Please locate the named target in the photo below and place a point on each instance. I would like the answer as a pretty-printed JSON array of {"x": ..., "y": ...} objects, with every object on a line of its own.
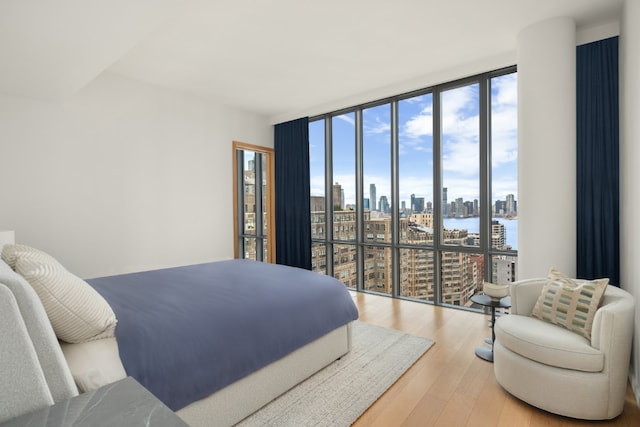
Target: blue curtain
[
  {"x": 598, "y": 224},
  {"x": 293, "y": 205}
]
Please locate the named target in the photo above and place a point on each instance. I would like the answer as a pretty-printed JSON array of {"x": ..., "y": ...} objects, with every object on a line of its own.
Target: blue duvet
[{"x": 187, "y": 332}]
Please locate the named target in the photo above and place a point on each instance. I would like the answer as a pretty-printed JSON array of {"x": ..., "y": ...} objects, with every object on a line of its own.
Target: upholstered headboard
[{"x": 34, "y": 371}]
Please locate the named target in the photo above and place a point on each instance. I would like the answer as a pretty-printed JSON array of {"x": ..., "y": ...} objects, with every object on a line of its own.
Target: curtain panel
[
  {"x": 598, "y": 224},
  {"x": 293, "y": 205}
]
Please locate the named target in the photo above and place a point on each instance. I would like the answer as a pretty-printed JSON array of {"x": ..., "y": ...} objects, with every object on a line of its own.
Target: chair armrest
[
  {"x": 613, "y": 322},
  {"x": 524, "y": 294},
  {"x": 612, "y": 334}
]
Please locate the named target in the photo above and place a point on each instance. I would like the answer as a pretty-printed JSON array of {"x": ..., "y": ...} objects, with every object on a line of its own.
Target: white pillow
[
  {"x": 11, "y": 253},
  {"x": 77, "y": 312}
]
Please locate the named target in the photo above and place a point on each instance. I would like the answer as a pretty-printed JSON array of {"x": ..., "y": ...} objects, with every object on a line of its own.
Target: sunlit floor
[{"x": 449, "y": 385}]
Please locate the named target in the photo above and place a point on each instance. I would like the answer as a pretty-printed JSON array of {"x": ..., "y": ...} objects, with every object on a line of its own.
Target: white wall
[
  {"x": 122, "y": 177},
  {"x": 547, "y": 148},
  {"x": 629, "y": 170}
]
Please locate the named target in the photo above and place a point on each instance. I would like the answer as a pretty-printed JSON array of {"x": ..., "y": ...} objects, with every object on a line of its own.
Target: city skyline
[
  {"x": 460, "y": 145},
  {"x": 419, "y": 204}
]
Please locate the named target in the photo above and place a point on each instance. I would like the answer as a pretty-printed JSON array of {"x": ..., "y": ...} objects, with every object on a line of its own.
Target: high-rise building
[
  {"x": 337, "y": 196},
  {"x": 511, "y": 205},
  {"x": 469, "y": 209},
  {"x": 504, "y": 271},
  {"x": 459, "y": 207},
  {"x": 424, "y": 219},
  {"x": 419, "y": 204},
  {"x": 372, "y": 196},
  {"x": 317, "y": 204},
  {"x": 445, "y": 206},
  {"x": 429, "y": 207},
  {"x": 461, "y": 272},
  {"x": 384, "y": 205},
  {"x": 365, "y": 204},
  {"x": 498, "y": 235}
]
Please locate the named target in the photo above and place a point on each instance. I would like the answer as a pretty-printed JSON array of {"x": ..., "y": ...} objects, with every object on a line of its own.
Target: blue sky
[{"x": 460, "y": 125}]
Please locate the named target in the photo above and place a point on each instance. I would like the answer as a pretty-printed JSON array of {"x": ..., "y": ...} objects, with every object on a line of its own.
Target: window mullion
[
  {"x": 258, "y": 206},
  {"x": 240, "y": 208},
  {"x": 438, "y": 207},
  {"x": 328, "y": 202},
  {"x": 395, "y": 202},
  {"x": 359, "y": 201},
  {"x": 485, "y": 175}
]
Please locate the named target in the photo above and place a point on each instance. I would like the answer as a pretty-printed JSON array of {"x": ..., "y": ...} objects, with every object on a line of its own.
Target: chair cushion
[{"x": 547, "y": 343}]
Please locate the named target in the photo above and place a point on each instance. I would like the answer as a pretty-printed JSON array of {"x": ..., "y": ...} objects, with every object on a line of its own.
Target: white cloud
[
  {"x": 316, "y": 184},
  {"x": 506, "y": 90},
  {"x": 420, "y": 125},
  {"x": 349, "y": 118},
  {"x": 380, "y": 127}
]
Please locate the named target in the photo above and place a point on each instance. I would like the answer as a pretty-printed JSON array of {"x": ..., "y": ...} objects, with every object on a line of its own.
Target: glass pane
[
  {"x": 461, "y": 164},
  {"x": 462, "y": 275},
  {"x": 344, "y": 225},
  {"x": 377, "y": 269},
  {"x": 319, "y": 257},
  {"x": 416, "y": 274},
  {"x": 376, "y": 229},
  {"x": 376, "y": 159},
  {"x": 249, "y": 195},
  {"x": 504, "y": 269},
  {"x": 318, "y": 225},
  {"x": 317, "y": 178},
  {"x": 344, "y": 178},
  {"x": 250, "y": 248},
  {"x": 415, "y": 137},
  {"x": 265, "y": 250},
  {"x": 345, "y": 264},
  {"x": 504, "y": 161}
]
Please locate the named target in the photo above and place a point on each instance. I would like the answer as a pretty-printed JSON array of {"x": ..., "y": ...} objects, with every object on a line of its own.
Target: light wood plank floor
[{"x": 449, "y": 386}]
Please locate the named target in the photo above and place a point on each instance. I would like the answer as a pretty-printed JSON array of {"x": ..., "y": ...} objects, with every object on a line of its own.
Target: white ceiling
[{"x": 277, "y": 58}]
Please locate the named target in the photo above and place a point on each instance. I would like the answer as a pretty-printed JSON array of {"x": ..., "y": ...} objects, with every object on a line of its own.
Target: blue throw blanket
[{"x": 187, "y": 332}]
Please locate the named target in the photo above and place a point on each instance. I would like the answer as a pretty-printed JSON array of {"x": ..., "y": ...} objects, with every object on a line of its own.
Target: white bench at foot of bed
[{"x": 242, "y": 398}]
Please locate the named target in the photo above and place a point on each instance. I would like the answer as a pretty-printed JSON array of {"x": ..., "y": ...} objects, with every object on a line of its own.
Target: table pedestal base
[{"x": 485, "y": 353}]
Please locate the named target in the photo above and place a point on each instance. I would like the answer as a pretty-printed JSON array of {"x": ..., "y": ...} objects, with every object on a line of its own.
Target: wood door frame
[{"x": 270, "y": 202}]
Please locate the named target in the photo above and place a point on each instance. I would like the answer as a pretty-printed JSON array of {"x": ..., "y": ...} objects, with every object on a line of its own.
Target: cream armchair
[{"x": 558, "y": 370}]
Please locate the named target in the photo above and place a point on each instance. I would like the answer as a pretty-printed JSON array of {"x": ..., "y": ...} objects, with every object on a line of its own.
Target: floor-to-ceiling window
[{"x": 415, "y": 196}]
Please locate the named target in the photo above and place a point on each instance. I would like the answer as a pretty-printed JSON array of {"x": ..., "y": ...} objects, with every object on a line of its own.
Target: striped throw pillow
[
  {"x": 570, "y": 303},
  {"x": 77, "y": 312},
  {"x": 11, "y": 253}
]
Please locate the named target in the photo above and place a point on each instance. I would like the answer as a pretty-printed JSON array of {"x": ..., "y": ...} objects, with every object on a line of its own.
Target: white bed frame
[{"x": 242, "y": 398}]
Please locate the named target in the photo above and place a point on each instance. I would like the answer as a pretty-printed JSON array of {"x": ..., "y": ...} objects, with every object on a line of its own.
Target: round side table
[{"x": 486, "y": 353}]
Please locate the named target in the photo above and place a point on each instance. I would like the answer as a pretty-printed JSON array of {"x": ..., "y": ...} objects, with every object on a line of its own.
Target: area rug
[{"x": 338, "y": 394}]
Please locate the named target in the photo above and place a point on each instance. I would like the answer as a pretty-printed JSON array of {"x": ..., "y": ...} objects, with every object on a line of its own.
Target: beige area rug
[{"x": 338, "y": 394}]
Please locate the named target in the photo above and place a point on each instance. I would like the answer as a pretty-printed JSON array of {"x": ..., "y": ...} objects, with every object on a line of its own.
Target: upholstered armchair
[{"x": 560, "y": 371}]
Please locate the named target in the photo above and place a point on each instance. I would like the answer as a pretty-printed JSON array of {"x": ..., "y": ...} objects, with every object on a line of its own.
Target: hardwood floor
[{"x": 449, "y": 386}]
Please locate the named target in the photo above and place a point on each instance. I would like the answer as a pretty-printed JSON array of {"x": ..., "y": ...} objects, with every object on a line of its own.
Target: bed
[{"x": 216, "y": 341}]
